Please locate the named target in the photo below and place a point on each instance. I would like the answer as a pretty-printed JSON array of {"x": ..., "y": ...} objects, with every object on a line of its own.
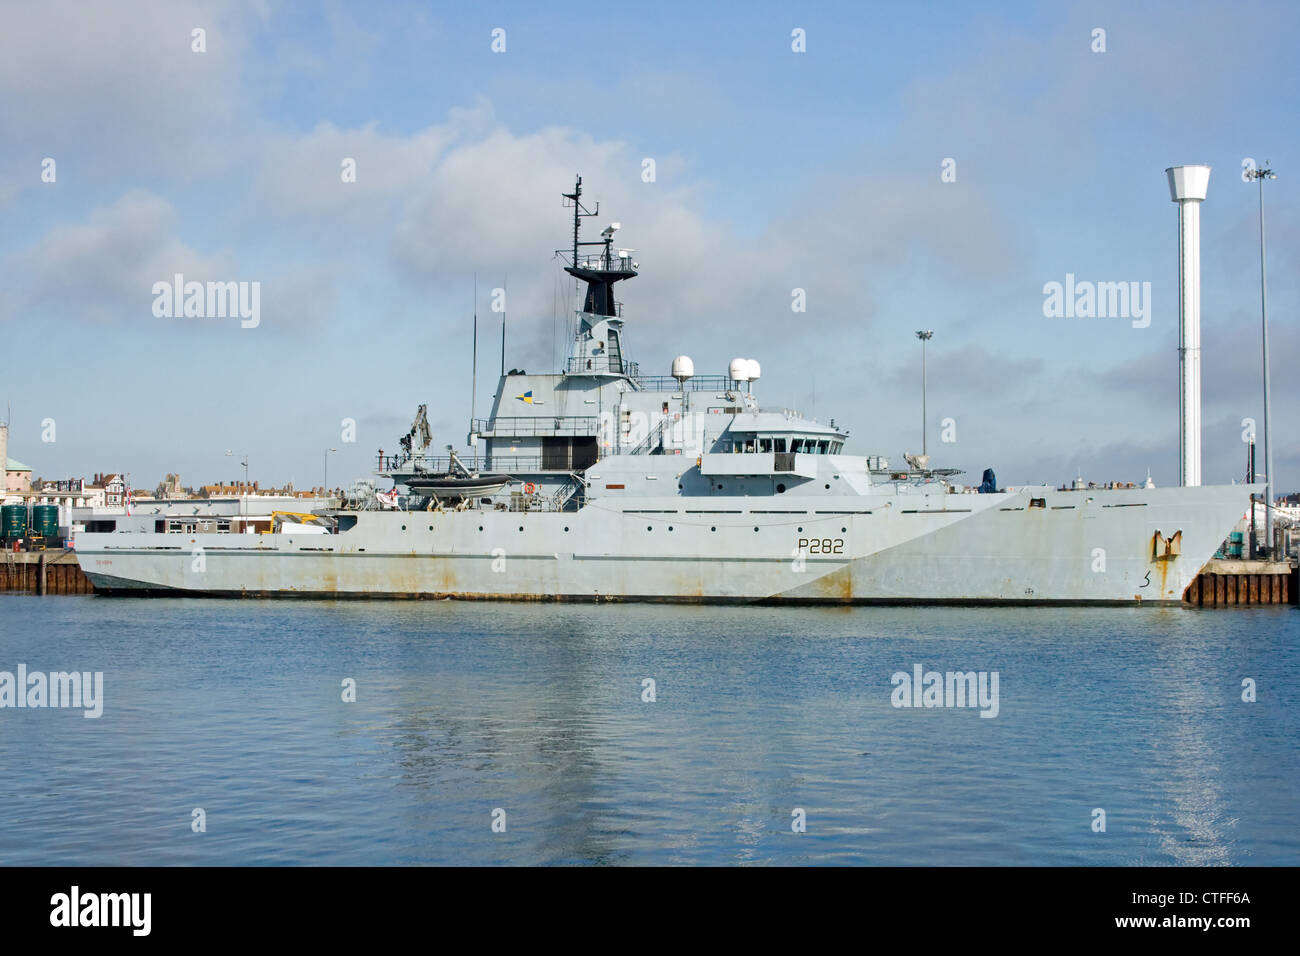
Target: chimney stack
[{"x": 1187, "y": 187}]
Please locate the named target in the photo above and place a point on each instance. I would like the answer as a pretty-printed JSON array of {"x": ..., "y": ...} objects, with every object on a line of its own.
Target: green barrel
[
  {"x": 45, "y": 521},
  {"x": 13, "y": 521}
]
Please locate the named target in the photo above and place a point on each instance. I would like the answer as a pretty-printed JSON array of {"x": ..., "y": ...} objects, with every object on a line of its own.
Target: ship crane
[{"x": 420, "y": 430}]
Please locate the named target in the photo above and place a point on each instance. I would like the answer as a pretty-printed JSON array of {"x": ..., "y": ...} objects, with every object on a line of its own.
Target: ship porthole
[
  {"x": 713, "y": 529},
  {"x": 403, "y": 527},
  {"x": 801, "y": 530},
  {"x": 670, "y": 527},
  {"x": 430, "y": 527},
  {"x": 566, "y": 527},
  {"x": 844, "y": 530},
  {"x": 780, "y": 489},
  {"x": 756, "y": 529},
  {"x": 480, "y": 527},
  {"x": 828, "y": 486},
  {"x": 521, "y": 527},
  {"x": 648, "y": 528}
]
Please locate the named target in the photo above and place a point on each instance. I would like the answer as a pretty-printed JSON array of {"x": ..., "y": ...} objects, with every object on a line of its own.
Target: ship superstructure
[
  {"x": 598, "y": 481},
  {"x": 550, "y": 431}
]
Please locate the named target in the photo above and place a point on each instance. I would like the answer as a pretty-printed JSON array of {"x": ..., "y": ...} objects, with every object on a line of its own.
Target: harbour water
[{"x": 540, "y": 711}]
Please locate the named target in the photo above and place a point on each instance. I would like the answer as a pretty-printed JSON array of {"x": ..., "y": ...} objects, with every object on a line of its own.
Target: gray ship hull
[{"x": 1034, "y": 545}]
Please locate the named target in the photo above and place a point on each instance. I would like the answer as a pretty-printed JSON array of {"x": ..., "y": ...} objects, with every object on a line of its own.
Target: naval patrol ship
[{"x": 602, "y": 482}]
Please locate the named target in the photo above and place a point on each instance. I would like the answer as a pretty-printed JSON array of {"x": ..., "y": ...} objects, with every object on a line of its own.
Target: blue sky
[{"x": 775, "y": 170}]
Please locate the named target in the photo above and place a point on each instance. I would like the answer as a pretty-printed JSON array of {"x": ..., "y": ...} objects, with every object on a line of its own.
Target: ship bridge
[{"x": 781, "y": 431}]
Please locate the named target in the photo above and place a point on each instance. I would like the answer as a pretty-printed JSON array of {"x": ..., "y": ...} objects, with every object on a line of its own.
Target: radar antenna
[{"x": 600, "y": 271}]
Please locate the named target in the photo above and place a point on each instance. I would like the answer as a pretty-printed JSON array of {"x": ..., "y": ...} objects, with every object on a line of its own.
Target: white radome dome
[
  {"x": 755, "y": 370},
  {"x": 683, "y": 367},
  {"x": 738, "y": 370}
]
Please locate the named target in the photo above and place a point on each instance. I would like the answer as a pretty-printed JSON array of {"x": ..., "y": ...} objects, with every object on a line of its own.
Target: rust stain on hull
[{"x": 835, "y": 587}]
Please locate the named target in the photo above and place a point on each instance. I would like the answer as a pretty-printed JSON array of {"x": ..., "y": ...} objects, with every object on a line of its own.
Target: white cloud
[
  {"x": 105, "y": 267},
  {"x": 114, "y": 87}
]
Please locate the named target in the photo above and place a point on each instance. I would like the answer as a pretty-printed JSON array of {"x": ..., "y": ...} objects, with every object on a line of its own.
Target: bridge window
[
  {"x": 765, "y": 444},
  {"x": 823, "y": 447},
  {"x": 779, "y": 446},
  {"x": 796, "y": 445}
]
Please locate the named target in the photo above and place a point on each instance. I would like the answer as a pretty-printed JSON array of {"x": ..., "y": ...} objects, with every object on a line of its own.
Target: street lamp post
[
  {"x": 1259, "y": 174},
  {"x": 230, "y": 453},
  {"x": 924, "y": 337},
  {"x": 327, "y": 470}
]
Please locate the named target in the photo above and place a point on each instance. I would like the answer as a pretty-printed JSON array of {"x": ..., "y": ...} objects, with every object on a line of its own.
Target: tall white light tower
[{"x": 1187, "y": 187}]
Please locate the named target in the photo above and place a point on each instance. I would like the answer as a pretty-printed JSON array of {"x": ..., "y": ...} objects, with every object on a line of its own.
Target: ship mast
[
  {"x": 579, "y": 210},
  {"x": 600, "y": 272}
]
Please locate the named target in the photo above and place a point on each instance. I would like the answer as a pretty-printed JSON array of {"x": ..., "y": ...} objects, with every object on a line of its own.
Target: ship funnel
[{"x": 1187, "y": 187}]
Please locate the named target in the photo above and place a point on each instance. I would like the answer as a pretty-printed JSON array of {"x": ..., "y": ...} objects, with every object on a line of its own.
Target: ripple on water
[{"x": 462, "y": 709}]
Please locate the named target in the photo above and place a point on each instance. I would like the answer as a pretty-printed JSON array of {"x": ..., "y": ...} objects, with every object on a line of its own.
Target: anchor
[{"x": 1166, "y": 549}]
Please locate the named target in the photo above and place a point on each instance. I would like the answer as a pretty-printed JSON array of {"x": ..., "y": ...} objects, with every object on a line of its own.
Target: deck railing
[
  {"x": 602, "y": 365},
  {"x": 599, "y": 263},
  {"x": 516, "y": 425},
  {"x": 699, "y": 383},
  {"x": 441, "y": 464}
]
